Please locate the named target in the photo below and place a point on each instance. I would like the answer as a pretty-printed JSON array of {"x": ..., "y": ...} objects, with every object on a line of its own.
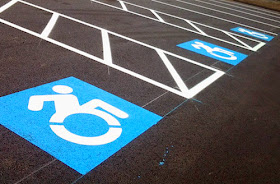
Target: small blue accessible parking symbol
[
  {"x": 76, "y": 122},
  {"x": 252, "y": 33},
  {"x": 214, "y": 51}
]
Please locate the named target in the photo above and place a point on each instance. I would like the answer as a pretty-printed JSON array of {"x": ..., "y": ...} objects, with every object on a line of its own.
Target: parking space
[
  {"x": 186, "y": 24},
  {"x": 259, "y": 21},
  {"x": 140, "y": 61}
]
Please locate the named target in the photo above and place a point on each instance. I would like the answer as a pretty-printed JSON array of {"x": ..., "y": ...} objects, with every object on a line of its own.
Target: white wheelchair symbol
[
  {"x": 253, "y": 33},
  {"x": 215, "y": 50},
  {"x": 67, "y": 104}
]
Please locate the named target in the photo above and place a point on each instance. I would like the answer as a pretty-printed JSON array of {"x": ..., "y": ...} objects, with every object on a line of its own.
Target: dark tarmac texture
[{"x": 226, "y": 133}]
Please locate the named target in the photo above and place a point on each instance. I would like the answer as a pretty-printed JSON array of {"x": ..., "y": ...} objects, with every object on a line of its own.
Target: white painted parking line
[
  {"x": 8, "y": 5},
  {"x": 215, "y": 17},
  {"x": 184, "y": 92},
  {"x": 248, "y": 7},
  {"x": 123, "y": 6},
  {"x": 234, "y": 15},
  {"x": 245, "y": 12},
  {"x": 157, "y": 16},
  {"x": 195, "y": 25},
  {"x": 257, "y": 47},
  {"x": 50, "y": 25},
  {"x": 107, "y": 54},
  {"x": 173, "y": 72}
]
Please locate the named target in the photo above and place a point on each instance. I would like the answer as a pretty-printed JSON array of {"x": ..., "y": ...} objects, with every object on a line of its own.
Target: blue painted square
[
  {"x": 81, "y": 128},
  {"x": 252, "y": 33},
  {"x": 213, "y": 51}
]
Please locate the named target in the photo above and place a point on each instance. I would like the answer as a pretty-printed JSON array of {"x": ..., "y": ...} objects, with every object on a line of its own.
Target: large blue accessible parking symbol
[
  {"x": 252, "y": 33},
  {"x": 76, "y": 122},
  {"x": 213, "y": 51}
]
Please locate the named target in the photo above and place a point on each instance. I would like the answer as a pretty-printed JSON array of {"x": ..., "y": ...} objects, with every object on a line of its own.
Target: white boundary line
[
  {"x": 202, "y": 85},
  {"x": 8, "y": 5},
  {"x": 173, "y": 72},
  {"x": 240, "y": 11},
  {"x": 187, "y": 93},
  {"x": 260, "y": 22},
  {"x": 241, "y": 41},
  {"x": 213, "y": 17},
  {"x": 198, "y": 31},
  {"x": 50, "y": 25},
  {"x": 248, "y": 7},
  {"x": 194, "y": 26},
  {"x": 118, "y": 35},
  {"x": 100, "y": 60},
  {"x": 123, "y": 6},
  {"x": 107, "y": 55},
  {"x": 157, "y": 15}
]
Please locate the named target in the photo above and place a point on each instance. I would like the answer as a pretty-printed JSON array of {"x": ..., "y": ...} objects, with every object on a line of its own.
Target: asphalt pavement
[{"x": 182, "y": 91}]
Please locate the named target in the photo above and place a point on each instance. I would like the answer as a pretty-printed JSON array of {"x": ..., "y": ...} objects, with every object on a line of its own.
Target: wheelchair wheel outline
[
  {"x": 230, "y": 54},
  {"x": 112, "y": 134}
]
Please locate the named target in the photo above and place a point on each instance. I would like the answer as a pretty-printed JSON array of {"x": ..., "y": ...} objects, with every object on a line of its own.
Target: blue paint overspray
[{"x": 165, "y": 155}]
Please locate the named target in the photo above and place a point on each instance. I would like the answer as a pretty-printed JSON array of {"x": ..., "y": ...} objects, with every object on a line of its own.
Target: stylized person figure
[{"x": 67, "y": 104}]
